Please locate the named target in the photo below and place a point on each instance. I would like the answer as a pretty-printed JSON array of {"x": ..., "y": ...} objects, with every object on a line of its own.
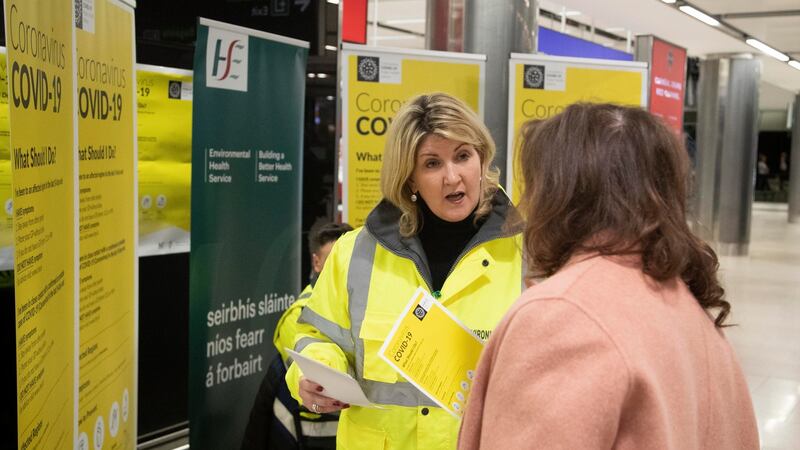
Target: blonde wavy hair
[{"x": 444, "y": 116}]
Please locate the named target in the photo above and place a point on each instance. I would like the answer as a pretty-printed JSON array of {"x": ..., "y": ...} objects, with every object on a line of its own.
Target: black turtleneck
[{"x": 443, "y": 241}]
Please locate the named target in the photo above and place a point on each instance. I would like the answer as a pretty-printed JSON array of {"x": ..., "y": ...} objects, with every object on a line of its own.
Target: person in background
[
  {"x": 442, "y": 226},
  {"x": 622, "y": 345},
  {"x": 762, "y": 173},
  {"x": 320, "y": 243},
  {"x": 783, "y": 171},
  {"x": 276, "y": 419}
]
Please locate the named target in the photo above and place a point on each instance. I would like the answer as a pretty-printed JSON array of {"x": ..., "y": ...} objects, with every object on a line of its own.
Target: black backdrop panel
[{"x": 163, "y": 343}]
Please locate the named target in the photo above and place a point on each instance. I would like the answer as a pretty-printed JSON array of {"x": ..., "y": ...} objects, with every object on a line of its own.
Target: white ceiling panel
[
  {"x": 655, "y": 17},
  {"x": 773, "y": 97},
  {"x": 782, "y": 33},
  {"x": 738, "y": 6}
]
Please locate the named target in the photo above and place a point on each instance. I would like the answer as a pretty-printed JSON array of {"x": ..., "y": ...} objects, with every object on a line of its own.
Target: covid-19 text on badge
[{"x": 226, "y": 60}]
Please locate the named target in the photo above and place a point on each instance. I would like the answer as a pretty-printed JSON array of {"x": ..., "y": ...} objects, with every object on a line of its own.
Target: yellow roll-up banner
[
  {"x": 41, "y": 81},
  {"x": 541, "y": 86},
  {"x": 108, "y": 226},
  {"x": 164, "y": 134},
  {"x": 6, "y": 222},
  {"x": 164, "y": 108},
  {"x": 375, "y": 84}
]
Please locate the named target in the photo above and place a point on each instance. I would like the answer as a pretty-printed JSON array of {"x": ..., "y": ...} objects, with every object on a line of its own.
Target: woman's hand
[{"x": 314, "y": 401}]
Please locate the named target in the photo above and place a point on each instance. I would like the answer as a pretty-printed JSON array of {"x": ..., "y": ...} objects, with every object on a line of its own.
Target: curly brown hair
[{"x": 613, "y": 180}]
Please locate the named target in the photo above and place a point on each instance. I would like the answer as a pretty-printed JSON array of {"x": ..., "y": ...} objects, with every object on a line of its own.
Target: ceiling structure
[{"x": 401, "y": 23}]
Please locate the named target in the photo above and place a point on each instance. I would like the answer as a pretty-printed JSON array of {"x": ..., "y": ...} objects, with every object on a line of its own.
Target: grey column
[
  {"x": 794, "y": 169},
  {"x": 496, "y": 28},
  {"x": 727, "y": 136}
]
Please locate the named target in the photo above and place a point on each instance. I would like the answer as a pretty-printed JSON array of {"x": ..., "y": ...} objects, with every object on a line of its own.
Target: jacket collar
[{"x": 383, "y": 223}]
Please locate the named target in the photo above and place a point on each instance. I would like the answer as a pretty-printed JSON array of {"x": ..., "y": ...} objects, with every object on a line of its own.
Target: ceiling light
[
  {"x": 699, "y": 15},
  {"x": 331, "y": 48},
  {"x": 322, "y": 75},
  {"x": 572, "y": 13},
  {"x": 333, "y": 2},
  {"x": 668, "y": 1},
  {"x": 312, "y": 75},
  {"x": 767, "y": 49},
  {"x": 795, "y": 64}
]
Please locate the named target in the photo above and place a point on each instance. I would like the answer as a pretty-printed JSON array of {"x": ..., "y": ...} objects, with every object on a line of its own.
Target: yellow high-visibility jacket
[
  {"x": 368, "y": 279},
  {"x": 286, "y": 329}
]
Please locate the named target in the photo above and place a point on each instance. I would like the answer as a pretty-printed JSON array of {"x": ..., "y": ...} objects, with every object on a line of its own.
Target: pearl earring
[{"x": 413, "y": 197}]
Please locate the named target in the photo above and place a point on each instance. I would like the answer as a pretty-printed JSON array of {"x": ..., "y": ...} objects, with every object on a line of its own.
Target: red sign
[
  {"x": 354, "y": 21},
  {"x": 667, "y": 83}
]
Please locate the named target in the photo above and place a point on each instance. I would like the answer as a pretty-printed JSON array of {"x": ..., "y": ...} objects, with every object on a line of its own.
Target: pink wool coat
[{"x": 600, "y": 356}]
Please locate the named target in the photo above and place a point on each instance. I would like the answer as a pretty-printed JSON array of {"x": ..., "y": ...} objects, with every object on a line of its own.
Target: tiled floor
[{"x": 764, "y": 291}]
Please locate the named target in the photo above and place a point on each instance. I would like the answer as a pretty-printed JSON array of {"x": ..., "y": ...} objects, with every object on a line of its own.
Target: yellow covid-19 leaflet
[
  {"x": 375, "y": 85},
  {"x": 541, "y": 86},
  {"x": 434, "y": 351}
]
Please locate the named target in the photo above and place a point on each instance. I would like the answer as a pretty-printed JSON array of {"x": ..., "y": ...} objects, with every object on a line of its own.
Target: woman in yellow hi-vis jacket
[{"x": 444, "y": 225}]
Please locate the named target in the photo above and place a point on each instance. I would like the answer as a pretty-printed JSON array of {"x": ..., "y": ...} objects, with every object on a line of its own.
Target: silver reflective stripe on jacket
[
  {"x": 359, "y": 275},
  {"x": 305, "y": 342},
  {"x": 309, "y": 428},
  {"x": 335, "y": 333}
]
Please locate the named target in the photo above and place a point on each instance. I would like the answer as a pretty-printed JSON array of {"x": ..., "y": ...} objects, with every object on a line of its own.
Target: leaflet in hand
[
  {"x": 434, "y": 351},
  {"x": 335, "y": 384}
]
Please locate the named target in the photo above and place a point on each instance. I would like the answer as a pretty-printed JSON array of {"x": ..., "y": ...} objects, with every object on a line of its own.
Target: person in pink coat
[{"x": 621, "y": 343}]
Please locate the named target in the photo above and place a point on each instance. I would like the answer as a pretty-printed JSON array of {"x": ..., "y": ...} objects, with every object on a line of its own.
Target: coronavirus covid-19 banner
[
  {"x": 375, "y": 84},
  {"x": 542, "y": 86},
  {"x": 104, "y": 34},
  {"x": 43, "y": 144},
  {"x": 164, "y": 123},
  {"x": 164, "y": 135},
  {"x": 247, "y": 122}
]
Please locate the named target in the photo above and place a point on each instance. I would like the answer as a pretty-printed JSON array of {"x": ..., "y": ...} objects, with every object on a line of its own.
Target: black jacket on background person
[{"x": 275, "y": 421}]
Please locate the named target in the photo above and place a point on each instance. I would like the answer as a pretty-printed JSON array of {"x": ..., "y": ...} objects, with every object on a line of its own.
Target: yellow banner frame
[
  {"x": 358, "y": 196},
  {"x": 540, "y": 86}
]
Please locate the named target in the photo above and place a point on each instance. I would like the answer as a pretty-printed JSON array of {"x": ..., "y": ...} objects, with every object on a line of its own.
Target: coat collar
[{"x": 383, "y": 223}]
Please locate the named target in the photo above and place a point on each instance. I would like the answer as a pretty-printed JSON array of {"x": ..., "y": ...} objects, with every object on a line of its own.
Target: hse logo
[{"x": 226, "y": 60}]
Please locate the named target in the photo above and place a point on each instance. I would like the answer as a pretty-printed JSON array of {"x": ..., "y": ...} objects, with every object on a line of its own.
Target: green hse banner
[
  {"x": 164, "y": 125},
  {"x": 108, "y": 226},
  {"x": 43, "y": 145},
  {"x": 249, "y": 90}
]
